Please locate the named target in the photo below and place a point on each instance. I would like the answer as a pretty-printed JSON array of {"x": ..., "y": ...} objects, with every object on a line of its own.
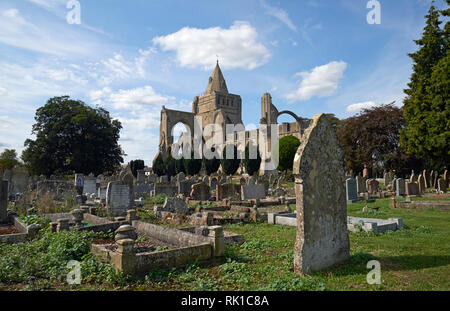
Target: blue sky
[{"x": 132, "y": 57}]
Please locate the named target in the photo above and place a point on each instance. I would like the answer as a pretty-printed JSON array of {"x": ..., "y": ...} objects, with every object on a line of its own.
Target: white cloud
[
  {"x": 279, "y": 14},
  {"x": 133, "y": 99},
  {"x": 50, "y": 37},
  {"x": 237, "y": 46},
  {"x": 321, "y": 81},
  {"x": 3, "y": 91},
  {"x": 355, "y": 108}
]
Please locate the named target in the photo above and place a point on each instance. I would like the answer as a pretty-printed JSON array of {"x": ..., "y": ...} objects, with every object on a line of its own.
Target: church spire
[{"x": 217, "y": 82}]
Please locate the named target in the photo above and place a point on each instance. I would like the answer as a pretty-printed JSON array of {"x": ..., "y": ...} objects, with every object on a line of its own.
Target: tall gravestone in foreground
[{"x": 322, "y": 239}]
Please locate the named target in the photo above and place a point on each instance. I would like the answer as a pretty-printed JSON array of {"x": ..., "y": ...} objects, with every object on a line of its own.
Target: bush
[
  {"x": 212, "y": 165},
  {"x": 44, "y": 261},
  {"x": 192, "y": 166},
  {"x": 230, "y": 166},
  {"x": 158, "y": 166},
  {"x": 287, "y": 148},
  {"x": 170, "y": 166},
  {"x": 251, "y": 165}
]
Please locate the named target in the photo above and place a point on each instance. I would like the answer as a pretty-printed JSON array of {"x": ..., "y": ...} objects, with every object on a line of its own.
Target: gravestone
[
  {"x": 102, "y": 193},
  {"x": 361, "y": 184},
  {"x": 3, "y": 201},
  {"x": 205, "y": 180},
  {"x": 253, "y": 192},
  {"x": 373, "y": 186},
  {"x": 435, "y": 180},
  {"x": 140, "y": 176},
  {"x": 213, "y": 183},
  {"x": 174, "y": 205},
  {"x": 79, "y": 183},
  {"x": 184, "y": 187},
  {"x": 200, "y": 192},
  {"x": 411, "y": 188},
  {"x": 164, "y": 179},
  {"x": 421, "y": 183},
  {"x": 242, "y": 181},
  {"x": 351, "y": 190},
  {"x": 90, "y": 185},
  {"x": 442, "y": 185},
  {"x": 228, "y": 191},
  {"x": 425, "y": 179},
  {"x": 322, "y": 238},
  {"x": 181, "y": 177},
  {"x": 365, "y": 171},
  {"x": 152, "y": 178},
  {"x": 119, "y": 198},
  {"x": 167, "y": 189},
  {"x": 400, "y": 187},
  {"x": 251, "y": 181},
  {"x": 446, "y": 178},
  {"x": 413, "y": 177}
]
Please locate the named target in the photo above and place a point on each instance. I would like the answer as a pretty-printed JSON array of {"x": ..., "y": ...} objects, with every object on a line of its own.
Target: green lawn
[{"x": 416, "y": 258}]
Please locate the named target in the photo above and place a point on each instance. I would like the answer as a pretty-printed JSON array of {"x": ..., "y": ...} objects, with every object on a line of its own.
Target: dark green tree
[
  {"x": 170, "y": 166},
  {"x": 158, "y": 166},
  {"x": 230, "y": 166},
  {"x": 136, "y": 165},
  {"x": 213, "y": 164},
  {"x": 251, "y": 165},
  {"x": 288, "y": 146},
  {"x": 73, "y": 137},
  {"x": 8, "y": 160},
  {"x": 179, "y": 166},
  {"x": 426, "y": 134},
  {"x": 192, "y": 166},
  {"x": 372, "y": 137}
]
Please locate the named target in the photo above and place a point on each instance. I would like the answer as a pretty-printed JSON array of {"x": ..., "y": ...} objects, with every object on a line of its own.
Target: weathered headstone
[
  {"x": 361, "y": 184},
  {"x": 90, "y": 185},
  {"x": 365, "y": 171},
  {"x": 251, "y": 181},
  {"x": 140, "y": 176},
  {"x": 225, "y": 191},
  {"x": 421, "y": 184},
  {"x": 400, "y": 187},
  {"x": 411, "y": 188},
  {"x": 351, "y": 190},
  {"x": 425, "y": 179},
  {"x": 174, "y": 205},
  {"x": 119, "y": 198},
  {"x": 184, "y": 187},
  {"x": 200, "y": 192},
  {"x": 253, "y": 192},
  {"x": 373, "y": 186},
  {"x": 322, "y": 238},
  {"x": 413, "y": 177},
  {"x": 3, "y": 201}
]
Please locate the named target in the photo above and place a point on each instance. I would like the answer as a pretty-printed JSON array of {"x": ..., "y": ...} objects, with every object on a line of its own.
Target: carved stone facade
[{"x": 218, "y": 106}]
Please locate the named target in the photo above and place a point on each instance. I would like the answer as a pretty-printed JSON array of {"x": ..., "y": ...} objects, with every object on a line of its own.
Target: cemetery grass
[{"x": 416, "y": 258}]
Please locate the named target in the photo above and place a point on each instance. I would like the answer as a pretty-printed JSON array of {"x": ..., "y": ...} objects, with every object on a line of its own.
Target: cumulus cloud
[
  {"x": 321, "y": 81},
  {"x": 237, "y": 46},
  {"x": 355, "y": 108},
  {"x": 133, "y": 99},
  {"x": 279, "y": 14}
]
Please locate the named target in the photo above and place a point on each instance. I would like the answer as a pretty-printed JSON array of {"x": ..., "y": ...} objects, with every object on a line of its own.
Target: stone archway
[{"x": 169, "y": 119}]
